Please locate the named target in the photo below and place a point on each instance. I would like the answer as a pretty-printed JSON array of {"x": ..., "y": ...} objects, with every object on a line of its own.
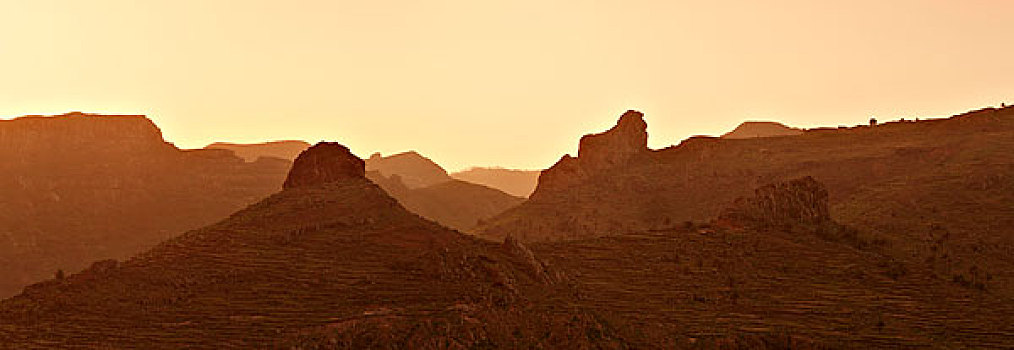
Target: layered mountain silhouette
[
  {"x": 519, "y": 183},
  {"x": 331, "y": 260},
  {"x": 761, "y": 129},
  {"x": 79, "y": 187},
  {"x": 912, "y": 189},
  {"x": 456, "y": 204},
  {"x": 414, "y": 170},
  {"x": 287, "y": 150}
]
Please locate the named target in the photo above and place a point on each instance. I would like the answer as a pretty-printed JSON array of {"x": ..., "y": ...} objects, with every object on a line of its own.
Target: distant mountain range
[
  {"x": 520, "y": 183},
  {"x": 287, "y": 150},
  {"x": 81, "y": 187}
]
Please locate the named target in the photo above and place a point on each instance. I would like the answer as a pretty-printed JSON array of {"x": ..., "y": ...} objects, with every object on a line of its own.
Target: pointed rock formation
[
  {"x": 324, "y": 162},
  {"x": 598, "y": 153},
  {"x": 615, "y": 146}
]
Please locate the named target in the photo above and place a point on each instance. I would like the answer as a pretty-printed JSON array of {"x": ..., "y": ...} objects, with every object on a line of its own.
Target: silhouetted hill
[
  {"x": 456, "y": 204},
  {"x": 415, "y": 170},
  {"x": 330, "y": 261},
  {"x": 79, "y": 187},
  {"x": 912, "y": 189},
  {"x": 287, "y": 150},
  {"x": 761, "y": 129},
  {"x": 520, "y": 183},
  {"x": 333, "y": 262}
]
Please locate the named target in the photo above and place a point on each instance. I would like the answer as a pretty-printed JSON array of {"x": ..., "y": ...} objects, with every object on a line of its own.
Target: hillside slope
[
  {"x": 79, "y": 187},
  {"x": 519, "y": 183},
  {"x": 936, "y": 191},
  {"x": 330, "y": 253}
]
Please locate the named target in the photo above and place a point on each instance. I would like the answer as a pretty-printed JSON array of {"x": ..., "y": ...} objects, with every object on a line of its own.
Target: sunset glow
[{"x": 509, "y": 83}]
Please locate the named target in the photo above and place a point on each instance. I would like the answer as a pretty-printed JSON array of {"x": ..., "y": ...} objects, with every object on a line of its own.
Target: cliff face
[
  {"x": 598, "y": 154},
  {"x": 625, "y": 141},
  {"x": 79, "y": 188},
  {"x": 79, "y": 133}
]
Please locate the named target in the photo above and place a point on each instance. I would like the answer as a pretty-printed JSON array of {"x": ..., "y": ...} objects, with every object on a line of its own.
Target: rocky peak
[
  {"x": 802, "y": 201},
  {"x": 324, "y": 162},
  {"x": 617, "y": 145}
]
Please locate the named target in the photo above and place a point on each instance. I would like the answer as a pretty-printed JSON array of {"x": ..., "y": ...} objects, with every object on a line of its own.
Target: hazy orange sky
[{"x": 510, "y": 83}]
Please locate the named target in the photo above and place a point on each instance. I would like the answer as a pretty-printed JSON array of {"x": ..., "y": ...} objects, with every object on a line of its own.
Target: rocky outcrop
[
  {"x": 626, "y": 140},
  {"x": 598, "y": 154},
  {"x": 801, "y": 201},
  {"x": 323, "y": 163}
]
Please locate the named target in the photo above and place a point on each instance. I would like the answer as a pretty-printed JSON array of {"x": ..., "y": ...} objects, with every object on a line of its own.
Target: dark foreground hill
[
  {"x": 333, "y": 262},
  {"x": 331, "y": 253},
  {"x": 776, "y": 272},
  {"x": 77, "y": 188}
]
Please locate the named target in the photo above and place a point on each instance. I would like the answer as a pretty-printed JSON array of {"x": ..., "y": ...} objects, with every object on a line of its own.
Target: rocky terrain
[
  {"x": 749, "y": 130},
  {"x": 287, "y": 150},
  {"x": 331, "y": 261},
  {"x": 78, "y": 188},
  {"x": 518, "y": 183},
  {"x": 775, "y": 271},
  {"x": 933, "y": 193}
]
